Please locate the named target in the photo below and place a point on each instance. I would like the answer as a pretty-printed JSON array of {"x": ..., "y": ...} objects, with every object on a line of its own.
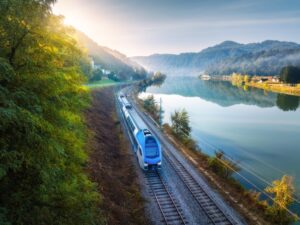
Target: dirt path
[{"x": 111, "y": 163}]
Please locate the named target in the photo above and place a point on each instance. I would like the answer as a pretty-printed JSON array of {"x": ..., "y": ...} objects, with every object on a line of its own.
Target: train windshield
[{"x": 151, "y": 148}]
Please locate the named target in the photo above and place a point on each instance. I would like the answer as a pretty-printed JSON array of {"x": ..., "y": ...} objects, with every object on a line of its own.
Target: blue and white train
[{"x": 147, "y": 148}]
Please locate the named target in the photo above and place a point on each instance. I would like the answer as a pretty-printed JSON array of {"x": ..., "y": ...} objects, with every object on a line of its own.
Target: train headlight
[
  {"x": 159, "y": 163},
  {"x": 145, "y": 166}
]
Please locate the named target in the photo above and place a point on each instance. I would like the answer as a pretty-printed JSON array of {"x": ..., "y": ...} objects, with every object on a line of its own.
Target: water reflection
[
  {"x": 258, "y": 129},
  {"x": 287, "y": 102},
  {"x": 225, "y": 94}
]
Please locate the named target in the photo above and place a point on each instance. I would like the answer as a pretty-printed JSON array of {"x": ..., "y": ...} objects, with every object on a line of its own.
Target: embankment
[{"x": 111, "y": 163}]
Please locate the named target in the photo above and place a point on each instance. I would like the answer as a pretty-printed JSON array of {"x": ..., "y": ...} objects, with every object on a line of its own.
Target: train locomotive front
[{"x": 149, "y": 150}]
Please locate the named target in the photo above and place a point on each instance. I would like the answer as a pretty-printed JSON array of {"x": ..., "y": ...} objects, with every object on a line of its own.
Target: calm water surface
[{"x": 259, "y": 130}]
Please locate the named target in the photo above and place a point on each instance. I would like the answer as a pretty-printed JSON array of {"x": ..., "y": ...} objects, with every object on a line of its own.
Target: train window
[
  {"x": 130, "y": 123},
  {"x": 135, "y": 142},
  {"x": 151, "y": 148},
  {"x": 128, "y": 106}
]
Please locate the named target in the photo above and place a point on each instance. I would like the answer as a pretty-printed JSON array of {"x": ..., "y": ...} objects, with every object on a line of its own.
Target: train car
[
  {"x": 124, "y": 101},
  {"x": 146, "y": 146}
]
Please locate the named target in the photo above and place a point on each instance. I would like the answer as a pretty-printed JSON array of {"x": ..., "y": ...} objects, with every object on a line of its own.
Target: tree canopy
[
  {"x": 97, "y": 75},
  {"x": 43, "y": 135},
  {"x": 180, "y": 123},
  {"x": 151, "y": 106},
  {"x": 290, "y": 74}
]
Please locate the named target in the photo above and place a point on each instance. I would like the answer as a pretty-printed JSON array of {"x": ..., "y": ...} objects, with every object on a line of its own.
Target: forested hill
[
  {"x": 109, "y": 59},
  {"x": 263, "y": 58}
]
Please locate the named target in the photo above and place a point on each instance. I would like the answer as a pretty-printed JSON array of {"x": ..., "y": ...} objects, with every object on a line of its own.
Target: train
[{"x": 147, "y": 148}]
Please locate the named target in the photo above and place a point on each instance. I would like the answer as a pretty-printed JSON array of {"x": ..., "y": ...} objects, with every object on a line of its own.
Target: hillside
[
  {"x": 109, "y": 59},
  {"x": 263, "y": 58}
]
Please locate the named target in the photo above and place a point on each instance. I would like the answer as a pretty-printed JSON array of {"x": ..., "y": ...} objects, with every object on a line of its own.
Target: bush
[
  {"x": 222, "y": 166},
  {"x": 152, "y": 107},
  {"x": 96, "y": 75}
]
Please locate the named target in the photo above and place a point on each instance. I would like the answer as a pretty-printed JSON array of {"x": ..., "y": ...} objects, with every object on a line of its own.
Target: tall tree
[{"x": 290, "y": 74}]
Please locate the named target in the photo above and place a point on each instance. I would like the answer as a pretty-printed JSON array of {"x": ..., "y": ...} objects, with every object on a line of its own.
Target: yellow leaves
[
  {"x": 83, "y": 89},
  {"x": 283, "y": 190},
  {"x": 71, "y": 117},
  {"x": 246, "y": 78}
]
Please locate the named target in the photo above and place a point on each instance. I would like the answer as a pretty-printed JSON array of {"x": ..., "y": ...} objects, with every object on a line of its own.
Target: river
[{"x": 259, "y": 130}]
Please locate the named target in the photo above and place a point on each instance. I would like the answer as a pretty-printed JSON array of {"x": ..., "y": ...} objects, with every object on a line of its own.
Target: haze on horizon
[{"x": 136, "y": 27}]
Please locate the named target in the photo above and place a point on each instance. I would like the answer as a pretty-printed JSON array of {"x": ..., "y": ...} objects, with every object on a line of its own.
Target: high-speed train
[{"x": 146, "y": 146}]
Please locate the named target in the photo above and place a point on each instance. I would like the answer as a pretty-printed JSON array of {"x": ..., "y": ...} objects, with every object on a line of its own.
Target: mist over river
[{"x": 260, "y": 130}]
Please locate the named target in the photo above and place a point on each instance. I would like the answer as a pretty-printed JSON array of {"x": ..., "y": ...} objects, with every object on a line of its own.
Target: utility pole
[{"x": 160, "y": 113}]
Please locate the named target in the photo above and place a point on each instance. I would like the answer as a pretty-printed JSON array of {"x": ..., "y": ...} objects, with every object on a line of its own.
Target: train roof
[
  {"x": 125, "y": 101},
  {"x": 137, "y": 120}
]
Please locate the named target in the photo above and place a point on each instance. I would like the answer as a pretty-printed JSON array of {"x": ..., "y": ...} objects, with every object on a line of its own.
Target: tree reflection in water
[{"x": 287, "y": 102}]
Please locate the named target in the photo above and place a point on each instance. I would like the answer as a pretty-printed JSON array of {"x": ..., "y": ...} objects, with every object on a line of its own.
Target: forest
[{"x": 43, "y": 132}]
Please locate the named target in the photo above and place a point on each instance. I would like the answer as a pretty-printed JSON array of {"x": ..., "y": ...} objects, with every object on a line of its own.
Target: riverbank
[
  {"x": 276, "y": 87},
  {"x": 238, "y": 198},
  {"x": 111, "y": 163},
  {"x": 266, "y": 83},
  {"x": 234, "y": 194},
  {"x": 244, "y": 200}
]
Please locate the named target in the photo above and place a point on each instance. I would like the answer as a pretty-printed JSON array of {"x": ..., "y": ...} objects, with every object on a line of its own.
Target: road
[{"x": 192, "y": 199}]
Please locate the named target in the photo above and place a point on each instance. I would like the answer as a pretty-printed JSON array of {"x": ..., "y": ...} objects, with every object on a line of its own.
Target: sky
[{"x": 144, "y": 27}]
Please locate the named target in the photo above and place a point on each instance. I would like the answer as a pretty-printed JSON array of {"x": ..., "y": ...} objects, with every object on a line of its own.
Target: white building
[{"x": 205, "y": 77}]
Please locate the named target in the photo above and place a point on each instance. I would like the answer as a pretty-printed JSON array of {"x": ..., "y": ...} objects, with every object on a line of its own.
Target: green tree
[
  {"x": 151, "y": 106},
  {"x": 180, "y": 123},
  {"x": 283, "y": 191},
  {"x": 43, "y": 134},
  {"x": 96, "y": 75},
  {"x": 158, "y": 79},
  {"x": 113, "y": 76},
  {"x": 290, "y": 74}
]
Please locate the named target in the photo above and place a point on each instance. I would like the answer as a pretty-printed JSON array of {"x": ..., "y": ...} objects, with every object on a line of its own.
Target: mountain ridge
[{"x": 260, "y": 58}]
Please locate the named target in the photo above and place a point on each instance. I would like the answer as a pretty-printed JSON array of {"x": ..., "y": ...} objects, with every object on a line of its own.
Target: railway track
[
  {"x": 170, "y": 210},
  {"x": 214, "y": 213},
  {"x": 209, "y": 206}
]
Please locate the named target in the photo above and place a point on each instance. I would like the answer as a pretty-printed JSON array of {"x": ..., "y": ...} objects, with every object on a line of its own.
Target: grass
[
  {"x": 102, "y": 83},
  {"x": 105, "y": 83},
  {"x": 277, "y": 87}
]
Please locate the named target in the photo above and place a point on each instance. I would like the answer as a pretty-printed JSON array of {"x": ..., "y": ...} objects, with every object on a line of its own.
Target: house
[
  {"x": 205, "y": 77},
  {"x": 276, "y": 79},
  {"x": 261, "y": 80},
  {"x": 92, "y": 63}
]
